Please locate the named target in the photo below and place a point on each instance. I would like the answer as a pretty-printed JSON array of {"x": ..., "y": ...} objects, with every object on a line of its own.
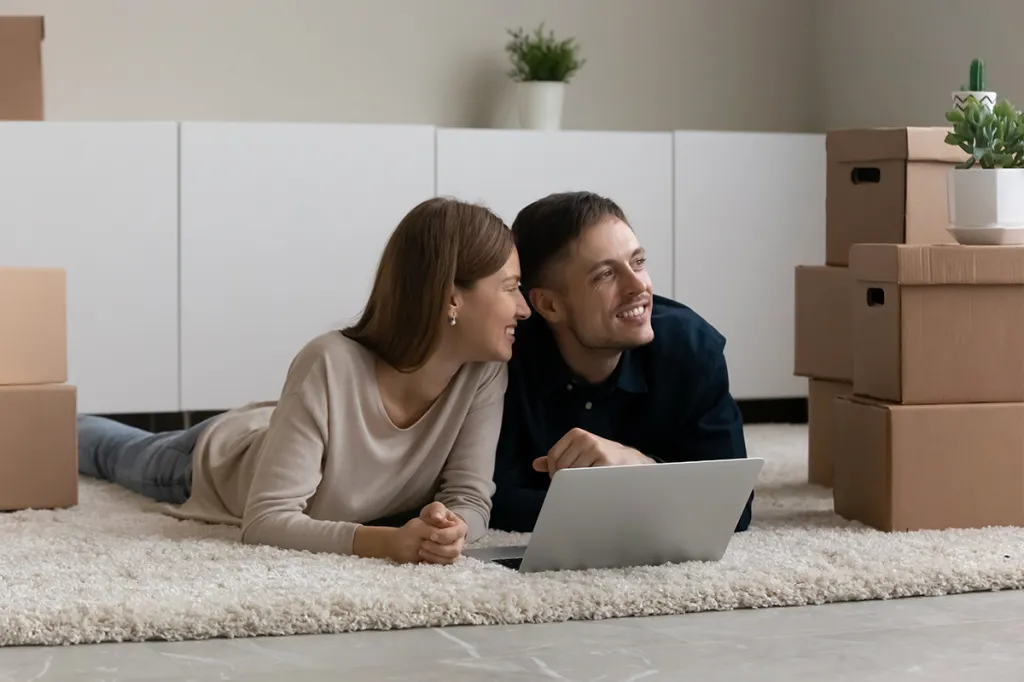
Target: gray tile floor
[{"x": 963, "y": 637}]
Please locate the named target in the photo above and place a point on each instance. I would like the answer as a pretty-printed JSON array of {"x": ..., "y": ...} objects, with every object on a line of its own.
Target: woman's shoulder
[
  {"x": 487, "y": 381},
  {"x": 334, "y": 344},
  {"x": 328, "y": 354}
]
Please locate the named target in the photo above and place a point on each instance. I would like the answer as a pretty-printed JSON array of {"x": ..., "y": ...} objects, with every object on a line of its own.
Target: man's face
[{"x": 601, "y": 292}]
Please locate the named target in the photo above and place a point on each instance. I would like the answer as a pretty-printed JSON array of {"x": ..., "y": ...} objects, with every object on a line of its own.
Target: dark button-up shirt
[{"x": 669, "y": 399}]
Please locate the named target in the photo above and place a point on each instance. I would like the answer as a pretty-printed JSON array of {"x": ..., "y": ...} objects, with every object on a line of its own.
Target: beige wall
[
  {"x": 652, "y": 64},
  {"x": 895, "y": 62}
]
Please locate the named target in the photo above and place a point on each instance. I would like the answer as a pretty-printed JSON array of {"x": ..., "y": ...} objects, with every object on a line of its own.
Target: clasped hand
[{"x": 436, "y": 536}]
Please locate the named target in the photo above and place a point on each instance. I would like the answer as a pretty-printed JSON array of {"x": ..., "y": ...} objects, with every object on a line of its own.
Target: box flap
[
  {"x": 866, "y": 401},
  {"x": 918, "y": 264},
  {"x": 887, "y": 144}
]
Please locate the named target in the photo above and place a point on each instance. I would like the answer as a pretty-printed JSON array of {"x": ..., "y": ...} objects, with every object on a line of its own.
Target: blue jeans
[{"x": 157, "y": 465}]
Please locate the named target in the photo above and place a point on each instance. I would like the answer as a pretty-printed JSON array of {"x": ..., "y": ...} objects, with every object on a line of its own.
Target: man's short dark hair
[{"x": 545, "y": 229}]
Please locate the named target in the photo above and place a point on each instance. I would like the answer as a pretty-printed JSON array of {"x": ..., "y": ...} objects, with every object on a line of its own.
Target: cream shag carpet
[{"x": 114, "y": 569}]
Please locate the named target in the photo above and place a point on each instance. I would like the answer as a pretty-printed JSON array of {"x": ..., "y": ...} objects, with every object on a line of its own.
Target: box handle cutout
[
  {"x": 876, "y": 297},
  {"x": 862, "y": 175}
]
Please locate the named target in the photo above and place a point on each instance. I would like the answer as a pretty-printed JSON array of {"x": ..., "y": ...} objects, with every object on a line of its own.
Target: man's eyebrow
[{"x": 639, "y": 251}]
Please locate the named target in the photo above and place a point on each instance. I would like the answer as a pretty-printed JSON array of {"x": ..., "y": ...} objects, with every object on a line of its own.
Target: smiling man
[{"x": 606, "y": 372}]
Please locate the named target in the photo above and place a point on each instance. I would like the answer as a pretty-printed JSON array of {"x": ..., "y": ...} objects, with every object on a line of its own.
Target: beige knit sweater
[{"x": 303, "y": 472}]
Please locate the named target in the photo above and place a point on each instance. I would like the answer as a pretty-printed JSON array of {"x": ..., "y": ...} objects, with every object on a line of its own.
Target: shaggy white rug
[{"x": 115, "y": 569}]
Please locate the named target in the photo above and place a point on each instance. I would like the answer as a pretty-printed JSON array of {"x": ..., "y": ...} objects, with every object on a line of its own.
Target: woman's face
[{"x": 486, "y": 315}]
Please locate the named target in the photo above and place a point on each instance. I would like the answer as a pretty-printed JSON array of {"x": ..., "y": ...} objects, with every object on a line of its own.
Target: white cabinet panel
[
  {"x": 749, "y": 208},
  {"x": 282, "y": 226},
  {"x": 508, "y": 169},
  {"x": 100, "y": 200}
]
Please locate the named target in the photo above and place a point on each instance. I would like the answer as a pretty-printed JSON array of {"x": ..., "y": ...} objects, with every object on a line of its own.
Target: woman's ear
[
  {"x": 454, "y": 299},
  {"x": 454, "y": 306}
]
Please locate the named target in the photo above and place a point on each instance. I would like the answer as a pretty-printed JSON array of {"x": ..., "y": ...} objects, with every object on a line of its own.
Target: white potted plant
[
  {"x": 976, "y": 88},
  {"x": 985, "y": 192},
  {"x": 541, "y": 67}
]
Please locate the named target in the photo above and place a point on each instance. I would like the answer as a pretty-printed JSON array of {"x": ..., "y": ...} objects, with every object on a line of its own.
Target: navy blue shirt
[{"x": 669, "y": 399}]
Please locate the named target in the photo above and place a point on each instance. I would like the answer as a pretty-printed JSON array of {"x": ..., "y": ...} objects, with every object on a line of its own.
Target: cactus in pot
[
  {"x": 977, "y": 75},
  {"x": 977, "y": 88}
]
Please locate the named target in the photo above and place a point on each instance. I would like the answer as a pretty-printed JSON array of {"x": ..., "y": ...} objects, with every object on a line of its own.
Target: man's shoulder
[
  {"x": 681, "y": 334},
  {"x": 533, "y": 337}
]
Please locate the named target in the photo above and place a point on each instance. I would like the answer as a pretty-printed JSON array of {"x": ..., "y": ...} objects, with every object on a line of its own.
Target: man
[{"x": 603, "y": 372}]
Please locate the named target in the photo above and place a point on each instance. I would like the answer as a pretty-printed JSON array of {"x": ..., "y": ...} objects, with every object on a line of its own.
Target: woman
[{"x": 398, "y": 413}]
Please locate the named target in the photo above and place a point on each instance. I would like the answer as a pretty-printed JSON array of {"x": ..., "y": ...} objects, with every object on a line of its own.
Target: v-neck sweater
[{"x": 303, "y": 472}]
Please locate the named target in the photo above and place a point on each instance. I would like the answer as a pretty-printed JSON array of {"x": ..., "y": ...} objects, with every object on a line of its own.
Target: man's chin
[{"x": 635, "y": 338}]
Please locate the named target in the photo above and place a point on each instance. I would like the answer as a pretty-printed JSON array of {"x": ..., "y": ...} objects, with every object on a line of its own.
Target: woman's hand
[
  {"x": 436, "y": 536},
  {"x": 447, "y": 536}
]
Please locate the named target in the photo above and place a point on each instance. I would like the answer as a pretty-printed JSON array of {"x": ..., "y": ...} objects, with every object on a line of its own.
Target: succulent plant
[{"x": 990, "y": 138}]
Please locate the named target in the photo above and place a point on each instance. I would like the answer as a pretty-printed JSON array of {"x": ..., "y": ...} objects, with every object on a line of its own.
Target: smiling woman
[{"x": 397, "y": 415}]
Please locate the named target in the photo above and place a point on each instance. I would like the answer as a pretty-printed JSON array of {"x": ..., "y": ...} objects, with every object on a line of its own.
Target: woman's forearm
[{"x": 373, "y": 542}]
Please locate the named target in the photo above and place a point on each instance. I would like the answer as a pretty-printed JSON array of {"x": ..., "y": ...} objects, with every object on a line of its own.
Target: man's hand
[{"x": 578, "y": 449}]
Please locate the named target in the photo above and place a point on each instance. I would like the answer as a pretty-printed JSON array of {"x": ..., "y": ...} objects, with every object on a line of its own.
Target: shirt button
[{"x": 589, "y": 405}]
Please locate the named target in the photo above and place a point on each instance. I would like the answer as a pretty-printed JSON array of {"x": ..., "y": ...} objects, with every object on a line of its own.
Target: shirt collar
[{"x": 628, "y": 375}]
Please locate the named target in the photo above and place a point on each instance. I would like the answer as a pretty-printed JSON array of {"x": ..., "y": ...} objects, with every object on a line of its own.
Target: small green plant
[
  {"x": 540, "y": 57},
  {"x": 990, "y": 138},
  {"x": 977, "y": 82}
]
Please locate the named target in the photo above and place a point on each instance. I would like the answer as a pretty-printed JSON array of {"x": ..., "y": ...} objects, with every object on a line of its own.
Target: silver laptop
[{"x": 637, "y": 515}]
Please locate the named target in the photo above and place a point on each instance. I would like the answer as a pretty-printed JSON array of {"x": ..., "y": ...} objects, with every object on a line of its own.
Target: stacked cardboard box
[
  {"x": 38, "y": 435},
  {"x": 21, "y": 68},
  {"x": 932, "y": 436},
  {"x": 883, "y": 185}
]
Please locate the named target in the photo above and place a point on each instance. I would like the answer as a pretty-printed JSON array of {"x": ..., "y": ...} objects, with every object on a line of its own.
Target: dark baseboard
[
  {"x": 767, "y": 411},
  {"x": 161, "y": 421},
  {"x": 774, "y": 411}
]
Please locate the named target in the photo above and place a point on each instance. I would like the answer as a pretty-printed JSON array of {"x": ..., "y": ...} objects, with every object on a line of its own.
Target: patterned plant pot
[{"x": 985, "y": 98}]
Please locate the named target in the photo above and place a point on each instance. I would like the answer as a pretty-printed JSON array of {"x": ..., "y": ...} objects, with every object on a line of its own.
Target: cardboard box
[
  {"x": 821, "y": 428},
  {"x": 21, "y": 68},
  {"x": 823, "y": 341},
  {"x": 33, "y": 326},
  {"x": 38, "y": 447},
  {"x": 938, "y": 324},
  {"x": 886, "y": 186},
  {"x": 929, "y": 467}
]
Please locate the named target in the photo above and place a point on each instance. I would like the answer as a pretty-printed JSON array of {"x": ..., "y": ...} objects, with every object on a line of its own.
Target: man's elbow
[
  {"x": 513, "y": 513},
  {"x": 747, "y": 516}
]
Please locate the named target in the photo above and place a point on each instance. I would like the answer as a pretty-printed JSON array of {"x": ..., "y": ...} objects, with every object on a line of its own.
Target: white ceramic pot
[
  {"x": 986, "y": 205},
  {"x": 985, "y": 98},
  {"x": 540, "y": 104}
]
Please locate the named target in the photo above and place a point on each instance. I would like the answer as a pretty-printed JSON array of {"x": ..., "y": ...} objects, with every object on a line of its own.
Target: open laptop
[{"x": 635, "y": 515}]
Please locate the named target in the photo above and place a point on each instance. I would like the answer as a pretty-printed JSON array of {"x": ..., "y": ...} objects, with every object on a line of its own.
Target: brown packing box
[
  {"x": 929, "y": 467},
  {"x": 938, "y": 324},
  {"x": 21, "y": 68},
  {"x": 821, "y": 428},
  {"x": 33, "y": 326},
  {"x": 823, "y": 342},
  {"x": 38, "y": 447},
  {"x": 886, "y": 186}
]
